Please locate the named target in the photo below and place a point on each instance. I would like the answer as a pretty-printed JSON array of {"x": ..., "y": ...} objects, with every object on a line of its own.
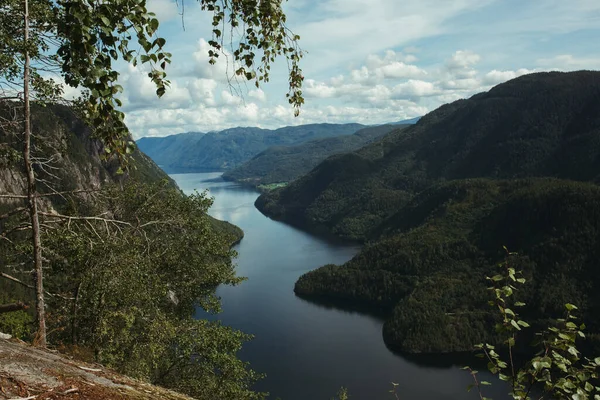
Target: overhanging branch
[{"x": 5, "y": 308}]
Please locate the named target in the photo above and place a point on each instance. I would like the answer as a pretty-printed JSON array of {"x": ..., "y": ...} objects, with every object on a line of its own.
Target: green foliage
[
  {"x": 558, "y": 369},
  {"x": 83, "y": 39},
  {"x": 129, "y": 292},
  {"x": 121, "y": 286},
  {"x": 342, "y": 394},
  {"x": 265, "y": 30},
  {"x": 427, "y": 269},
  {"x": 16, "y": 323}
]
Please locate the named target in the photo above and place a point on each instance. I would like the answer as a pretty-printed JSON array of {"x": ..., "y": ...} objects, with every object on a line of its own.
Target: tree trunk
[
  {"x": 5, "y": 308},
  {"x": 31, "y": 193}
]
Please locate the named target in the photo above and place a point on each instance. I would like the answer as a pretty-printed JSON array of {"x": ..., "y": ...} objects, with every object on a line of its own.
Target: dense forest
[
  {"x": 282, "y": 164},
  {"x": 119, "y": 289},
  {"x": 517, "y": 166},
  {"x": 222, "y": 150}
]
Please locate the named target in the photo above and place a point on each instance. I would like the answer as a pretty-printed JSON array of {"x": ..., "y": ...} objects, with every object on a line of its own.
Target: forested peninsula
[{"x": 515, "y": 167}]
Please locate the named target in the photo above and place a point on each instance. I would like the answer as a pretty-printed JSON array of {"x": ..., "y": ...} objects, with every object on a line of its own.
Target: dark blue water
[{"x": 309, "y": 351}]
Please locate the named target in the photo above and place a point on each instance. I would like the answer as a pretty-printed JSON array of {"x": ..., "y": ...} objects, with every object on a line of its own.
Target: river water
[{"x": 308, "y": 351}]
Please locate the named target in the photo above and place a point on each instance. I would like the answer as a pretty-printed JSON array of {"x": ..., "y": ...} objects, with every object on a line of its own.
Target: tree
[
  {"x": 129, "y": 292},
  {"x": 558, "y": 370},
  {"x": 81, "y": 40}
]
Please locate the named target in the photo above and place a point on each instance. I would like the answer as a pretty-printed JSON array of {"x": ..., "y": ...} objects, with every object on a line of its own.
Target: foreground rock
[{"x": 27, "y": 372}]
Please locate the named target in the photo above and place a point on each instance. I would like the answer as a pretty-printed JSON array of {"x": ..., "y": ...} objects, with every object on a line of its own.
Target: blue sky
[{"x": 371, "y": 62}]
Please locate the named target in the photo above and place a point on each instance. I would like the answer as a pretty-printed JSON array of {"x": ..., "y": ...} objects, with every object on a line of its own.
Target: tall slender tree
[{"x": 31, "y": 188}]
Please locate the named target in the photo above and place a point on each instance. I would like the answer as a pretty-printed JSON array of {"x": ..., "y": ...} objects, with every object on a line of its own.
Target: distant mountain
[
  {"x": 231, "y": 147},
  {"x": 516, "y": 166},
  {"x": 280, "y": 164}
]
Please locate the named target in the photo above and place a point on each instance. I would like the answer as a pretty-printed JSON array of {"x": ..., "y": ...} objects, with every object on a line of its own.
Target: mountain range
[
  {"x": 517, "y": 166},
  {"x": 282, "y": 164},
  {"x": 227, "y": 149},
  {"x": 222, "y": 150}
]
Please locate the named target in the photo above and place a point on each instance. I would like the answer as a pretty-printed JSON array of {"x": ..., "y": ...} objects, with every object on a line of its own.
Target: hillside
[
  {"x": 437, "y": 201},
  {"x": 286, "y": 163},
  {"x": 77, "y": 162},
  {"x": 229, "y": 148},
  {"x": 428, "y": 267},
  {"x": 543, "y": 124},
  {"x": 119, "y": 289}
]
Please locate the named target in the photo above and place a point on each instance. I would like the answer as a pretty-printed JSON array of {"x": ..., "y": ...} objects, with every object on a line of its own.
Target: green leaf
[
  {"x": 523, "y": 324},
  {"x": 570, "y": 307},
  {"x": 515, "y": 324}
]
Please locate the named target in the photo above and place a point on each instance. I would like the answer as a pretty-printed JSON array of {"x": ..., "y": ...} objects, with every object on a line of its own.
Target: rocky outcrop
[{"x": 27, "y": 372}]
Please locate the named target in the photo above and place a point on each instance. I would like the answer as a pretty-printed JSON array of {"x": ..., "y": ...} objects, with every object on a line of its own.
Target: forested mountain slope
[
  {"x": 77, "y": 162},
  {"x": 119, "y": 288},
  {"x": 544, "y": 124},
  {"x": 517, "y": 166},
  {"x": 231, "y": 147},
  {"x": 286, "y": 163}
]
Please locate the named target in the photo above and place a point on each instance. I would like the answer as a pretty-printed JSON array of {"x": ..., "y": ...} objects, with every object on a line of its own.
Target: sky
[{"x": 366, "y": 61}]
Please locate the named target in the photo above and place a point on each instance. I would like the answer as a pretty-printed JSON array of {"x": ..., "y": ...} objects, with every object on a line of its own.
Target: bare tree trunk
[{"x": 31, "y": 194}]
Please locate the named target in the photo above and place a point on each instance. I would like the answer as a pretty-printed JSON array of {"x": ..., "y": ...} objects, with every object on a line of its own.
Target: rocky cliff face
[{"x": 68, "y": 157}]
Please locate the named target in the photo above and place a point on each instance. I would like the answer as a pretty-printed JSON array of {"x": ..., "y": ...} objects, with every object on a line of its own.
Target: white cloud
[
  {"x": 366, "y": 94},
  {"x": 461, "y": 64},
  {"x": 462, "y": 84},
  {"x": 415, "y": 88},
  {"x": 398, "y": 69},
  {"x": 339, "y": 31},
  {"x": 462, "y": 59},
  {"x": 258, "y": 95},
  {"x": 140, "y": 92},
  {"x": 202, "y": 69},
  {"x": 567, "y": 62},
  {"x": 371, "y": 62},
  {"x": 229, "y": 99},
  {"x": 202, "y": 91},
  {"x": 165, "y": 10},
  {"x": 320, "y": 89}
]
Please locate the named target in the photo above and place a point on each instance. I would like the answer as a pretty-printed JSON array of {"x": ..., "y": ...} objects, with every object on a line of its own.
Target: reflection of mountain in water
[{"x": 348, "y": 307}]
